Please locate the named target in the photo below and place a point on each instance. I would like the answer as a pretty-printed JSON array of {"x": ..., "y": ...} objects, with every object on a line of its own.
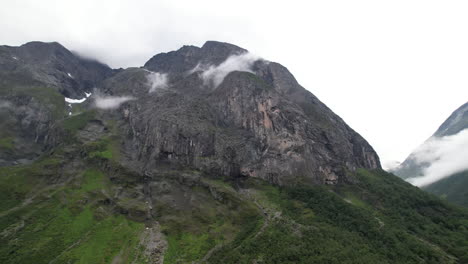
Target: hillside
[
  {"x": 203, "y": 155},
  {"x": 447, "y": 142}
]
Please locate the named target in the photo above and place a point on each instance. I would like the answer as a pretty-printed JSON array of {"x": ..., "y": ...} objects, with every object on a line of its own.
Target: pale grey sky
[{"x": 393, "y": 70}]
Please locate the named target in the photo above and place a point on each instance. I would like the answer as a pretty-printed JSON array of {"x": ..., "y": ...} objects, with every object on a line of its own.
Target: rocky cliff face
[
  {"x": 257, "y": 122},
  {"x": 34, "y": 79},
  {"x": 456, "y": 122},
  {"x": 53, "y": 65},
  {"x": 173, "y": 163},
  {"x": 217, "y": 109}
]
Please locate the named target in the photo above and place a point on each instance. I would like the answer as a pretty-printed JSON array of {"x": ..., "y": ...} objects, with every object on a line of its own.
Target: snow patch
[
  {"x": 14, "y": 58},
  {"x": 69, "y": 75},
  {"x": 74, "y": 101},
  {"x": 87, "y": 94}
]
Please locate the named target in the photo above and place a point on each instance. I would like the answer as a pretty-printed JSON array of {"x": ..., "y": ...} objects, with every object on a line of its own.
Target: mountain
[
  {"x": 456, "y": 122},
  {"x": 203, "y": 155},
  {"x": 454, "y": 186},
  {"x": 53, "y": 65}
]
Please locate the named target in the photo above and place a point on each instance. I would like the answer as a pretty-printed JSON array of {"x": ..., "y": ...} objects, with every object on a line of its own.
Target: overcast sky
[{"x": 393, "y": 70}]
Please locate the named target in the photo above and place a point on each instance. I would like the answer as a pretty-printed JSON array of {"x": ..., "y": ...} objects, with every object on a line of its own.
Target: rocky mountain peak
[
  {"x": 456, "y": 122},
  {"x": 51, "y": 64},
  {"x": 188, "y": 57},
  {"x": 227, "y": 112},
  {"x": 217, "y": 109}
]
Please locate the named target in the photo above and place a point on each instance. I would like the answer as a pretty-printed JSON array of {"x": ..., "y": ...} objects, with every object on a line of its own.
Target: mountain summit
[
  {"x": 203, "y": 155},
  {"x": 221, "y": 110},
  {"x": 224, "y": 111}
]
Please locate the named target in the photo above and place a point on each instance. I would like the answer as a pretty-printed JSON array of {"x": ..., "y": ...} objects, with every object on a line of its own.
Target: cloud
[
  {"x": 215, "y": 74},
  {"x": 445, "y": 156},
  {"x": 111, "y": 102},
  {"x": 390, "y": 165},
  {"x": 157, "y": 81},
  {"x": 5, "y": 104}
]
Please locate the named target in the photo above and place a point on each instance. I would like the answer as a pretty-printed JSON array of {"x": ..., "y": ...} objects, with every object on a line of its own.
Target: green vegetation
[
  {"x": 47, "y": 96},
  {"x": 209, "y": 221},
  {"x": 6, "y": 143},
  {"x": 74, "y": 123},
  {"x": 453, "y": 189},
  {"x": 104, "y": 148},
  {"x": 382, "y": 219},
  {"x": 64, "y": 224},
  {"x": 50, "y": 214}
]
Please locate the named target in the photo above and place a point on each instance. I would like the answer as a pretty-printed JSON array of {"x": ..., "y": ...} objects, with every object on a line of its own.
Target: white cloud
[
  {"x": 367, "y": 66},
  {"x": 390, "y": 165},
  {"x": 111, "y": 102},
  {"x": 446, "y": 156},
  {"x": 199, "y": 68},
  {"x": 157, "y": 81},
  {"x": 5, "y": 104},
  {"x": 215, "y": 74}
]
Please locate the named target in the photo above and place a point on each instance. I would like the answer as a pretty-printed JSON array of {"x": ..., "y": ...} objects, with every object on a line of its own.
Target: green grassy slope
[
  {"x": 379, "y": 220},
  {"x": 49, "y": 214},
  {"x": 453, "y": 189},
  {"x": 77, "y": 204}
]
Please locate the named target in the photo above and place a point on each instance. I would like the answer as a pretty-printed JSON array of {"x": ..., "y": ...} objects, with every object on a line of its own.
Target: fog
[
  {"x": 110, "y": 102},
  {"x": 446, "y": 156}
]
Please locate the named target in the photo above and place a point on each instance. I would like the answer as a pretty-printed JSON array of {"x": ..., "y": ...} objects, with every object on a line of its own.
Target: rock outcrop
[
  {"x": 258, "y": 122},
  {"x": 217, "y": 109},
  {"x": 53, "y": 65}
]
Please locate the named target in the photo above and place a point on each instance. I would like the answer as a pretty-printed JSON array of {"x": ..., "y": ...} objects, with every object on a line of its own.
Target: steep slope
[
  {"x": 257, "y": 121},
  {"x": 456, "y": 122},
  {"x": 53, "y": 65},
  {"x": 451, "y": 187},
  {"x": 34, "y": 78},
  {"x": 210, "y": 155}
]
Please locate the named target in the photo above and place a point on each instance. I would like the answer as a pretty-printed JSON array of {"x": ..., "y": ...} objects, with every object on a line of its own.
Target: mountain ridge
[
  {"x": 450, "y": 187},
  {"x": 207, "y": 155}
]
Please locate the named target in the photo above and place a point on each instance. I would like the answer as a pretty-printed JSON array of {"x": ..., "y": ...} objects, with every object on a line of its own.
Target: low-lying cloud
[
  {"x": 111, "y": 102},
  {"x": 157, "y": 81},
  {"x": 215, "y": 74},
  {"x": 390, "y": 165},
  {"x": 446, "y": 156},
  {"x": 5, "y": 104}
]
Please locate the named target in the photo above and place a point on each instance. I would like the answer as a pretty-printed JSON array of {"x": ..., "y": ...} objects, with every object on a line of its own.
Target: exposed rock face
[
  {"x": 254, "y": 121},
  {"x": 24, "y": 124},
  {"x": 456, "y": 122},
  {"x": 261, "y": 124},
  {"x": 188, "y": 57},
  {"x": 34, "y": 79},
  {"x": 53, "y": 65}
]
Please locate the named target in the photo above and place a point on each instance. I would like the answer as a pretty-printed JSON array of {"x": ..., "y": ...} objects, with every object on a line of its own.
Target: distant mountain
[
  {"x": 53, "y": 65},
  {"x": 203, "y": 155},
  {"x": 454, "y": 187},
  {"x": 456, "y": 122}
]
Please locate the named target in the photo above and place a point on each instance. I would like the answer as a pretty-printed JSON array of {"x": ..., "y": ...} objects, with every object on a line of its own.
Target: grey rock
[
  {"x": 53, "y": 65},
  {"x": 261, "y": 125}
]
